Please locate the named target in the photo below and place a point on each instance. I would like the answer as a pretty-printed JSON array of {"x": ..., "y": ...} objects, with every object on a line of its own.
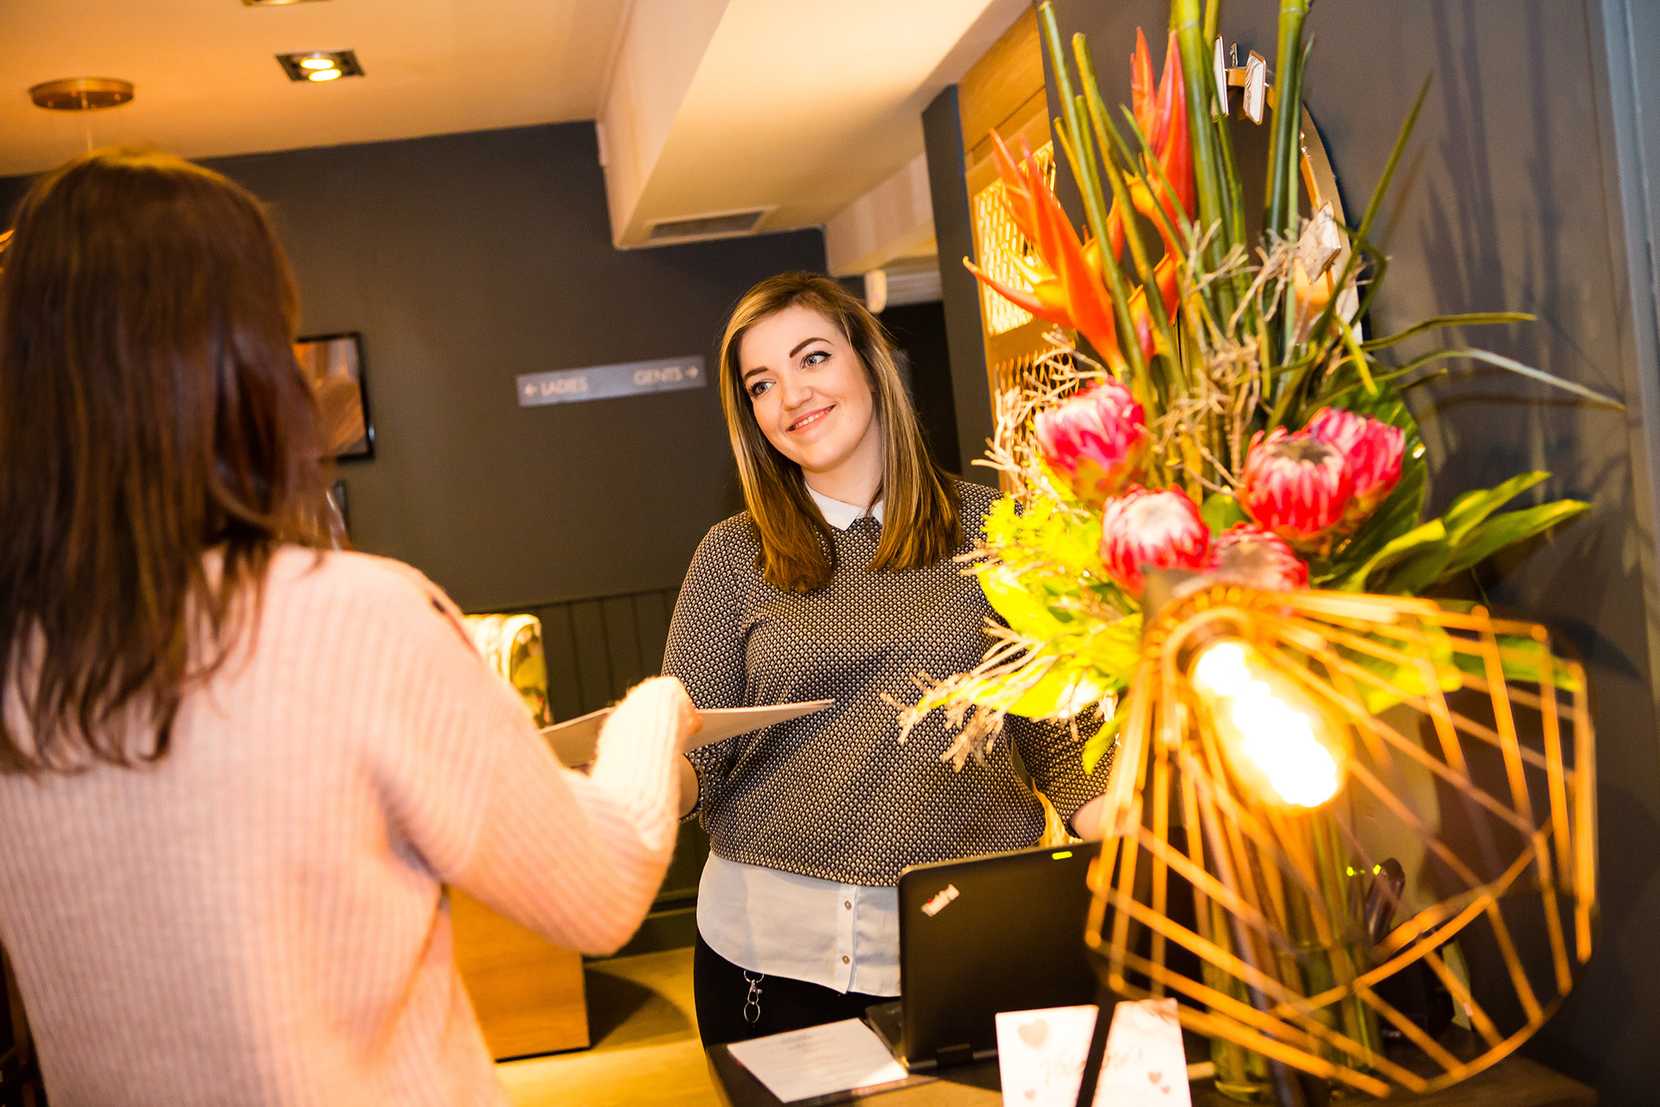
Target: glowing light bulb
[
  {"x": 322, "y": 75},
  {"x": 318, "y": 61},
  {"x": 1274, "y": 735}
]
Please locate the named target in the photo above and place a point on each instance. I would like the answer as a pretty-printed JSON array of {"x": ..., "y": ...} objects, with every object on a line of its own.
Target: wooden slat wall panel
[
  {"x": 1001, "y": 81},
  {"x": 560, "y": 647},
  {"x": 651, "y": 626},
  {"x": 593, "y": 658},
  {"x": 621, "y": 645},
  {"x": 597, "y": 648}
]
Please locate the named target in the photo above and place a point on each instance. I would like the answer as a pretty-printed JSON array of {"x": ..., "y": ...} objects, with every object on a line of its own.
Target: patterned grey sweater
[{"x": 835, "y": 795}]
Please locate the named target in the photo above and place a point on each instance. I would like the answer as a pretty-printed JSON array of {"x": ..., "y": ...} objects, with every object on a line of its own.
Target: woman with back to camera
[
  {"x": 235, "y": 771},
  {"x": 838, "y": 582}
]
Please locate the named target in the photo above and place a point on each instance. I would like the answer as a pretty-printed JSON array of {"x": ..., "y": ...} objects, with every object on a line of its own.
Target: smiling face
[{"x": 812, "y": 399}]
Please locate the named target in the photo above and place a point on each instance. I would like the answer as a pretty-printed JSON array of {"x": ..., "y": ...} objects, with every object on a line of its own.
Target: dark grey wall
[
  {"x": 465, "y": 260},
  {"x": 1511, "y": 198},
  {"x": 919, "y": 330}
]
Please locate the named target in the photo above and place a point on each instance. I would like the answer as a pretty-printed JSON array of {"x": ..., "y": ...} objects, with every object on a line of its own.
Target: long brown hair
[
  {"x": 920, "y": 510},
  {"x": 151, "y": 412}
]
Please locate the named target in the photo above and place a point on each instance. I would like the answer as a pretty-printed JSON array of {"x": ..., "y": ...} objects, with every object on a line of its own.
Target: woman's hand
[{"x": 1086, "y": 824}]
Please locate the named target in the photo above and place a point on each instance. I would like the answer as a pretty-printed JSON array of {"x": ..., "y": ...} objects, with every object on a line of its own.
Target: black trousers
[{"x": 728, "y": 997}]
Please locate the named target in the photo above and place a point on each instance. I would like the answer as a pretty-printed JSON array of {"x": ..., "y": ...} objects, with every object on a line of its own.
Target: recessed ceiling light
[
  {"x": 320, "y": 65},
  {"x": 271, "y": 3}
]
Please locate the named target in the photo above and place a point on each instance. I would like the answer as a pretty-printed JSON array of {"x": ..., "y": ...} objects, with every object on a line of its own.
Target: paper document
[
  {"x": 820, "y": 1060},
  {"x": 574, "y": 740}
]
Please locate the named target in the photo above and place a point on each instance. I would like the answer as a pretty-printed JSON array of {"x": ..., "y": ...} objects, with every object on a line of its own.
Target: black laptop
[{"x": 1004, "y": 932}]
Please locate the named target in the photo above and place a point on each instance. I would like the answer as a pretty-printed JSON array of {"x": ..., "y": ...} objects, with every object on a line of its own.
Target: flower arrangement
[{"x": 1231, "y": 416}]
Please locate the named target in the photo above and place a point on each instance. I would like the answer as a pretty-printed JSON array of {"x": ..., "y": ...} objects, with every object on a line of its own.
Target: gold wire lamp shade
[{"x": 1277, "y": 748}]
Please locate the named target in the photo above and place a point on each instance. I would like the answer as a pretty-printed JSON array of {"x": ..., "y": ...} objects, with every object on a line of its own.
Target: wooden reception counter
[{"x": 528, "y": 992}]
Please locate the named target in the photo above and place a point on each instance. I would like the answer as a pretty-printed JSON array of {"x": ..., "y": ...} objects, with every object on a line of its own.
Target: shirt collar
[{"x": 838, "y": 514}]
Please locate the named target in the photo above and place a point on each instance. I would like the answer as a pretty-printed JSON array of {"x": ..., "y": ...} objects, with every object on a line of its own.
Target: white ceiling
[
  {"x": 208, "y": 83},
  {"x": 802, "y": 105}
]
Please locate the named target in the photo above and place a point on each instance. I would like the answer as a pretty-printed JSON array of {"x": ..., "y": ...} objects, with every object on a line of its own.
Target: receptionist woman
[{"x": 839, "y": 583}]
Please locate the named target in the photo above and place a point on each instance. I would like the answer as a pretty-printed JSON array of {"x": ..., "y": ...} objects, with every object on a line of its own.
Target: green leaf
[
  {"x": 1395, "y": 517},
  {"x": 1461, "y": 319},
  {"x": 1101, "y": 741},
  {"x": 1221, "y": 511},
  {"x": 1520, "y": 659},
  {"x": 1059, "y": 695},
  {"x": 1021, "y": 600},
  {"x": 1473, "y": 507},
  {"x": 1510, "y": 527},
  {"x": 1417, "y": 571},
  {"x": 1406, "y": 680},
  {"x": 1540, "y": 375},
  {"x": 1426, "y": 534}
]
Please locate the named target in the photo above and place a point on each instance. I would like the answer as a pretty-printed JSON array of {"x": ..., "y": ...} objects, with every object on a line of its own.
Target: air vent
[{"x": 726, "y": 224}]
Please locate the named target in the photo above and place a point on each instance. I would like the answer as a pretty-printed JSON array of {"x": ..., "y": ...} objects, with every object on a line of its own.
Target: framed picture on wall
[{"x": 333, "y": 363}]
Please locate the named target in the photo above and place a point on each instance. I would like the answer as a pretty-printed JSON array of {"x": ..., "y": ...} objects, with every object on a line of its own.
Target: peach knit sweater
[{"x": 259, "y": 918}]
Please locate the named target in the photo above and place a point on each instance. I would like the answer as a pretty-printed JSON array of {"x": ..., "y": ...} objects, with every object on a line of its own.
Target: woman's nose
[{"x": 793, "y": 391}]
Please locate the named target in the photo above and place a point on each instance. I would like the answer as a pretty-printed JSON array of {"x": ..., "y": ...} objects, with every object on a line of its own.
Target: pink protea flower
[
  {"x": 1372, "y": 450},
  {"x": 1144, "y": 529},
  {"x": 1096, "y": 441},
  {"x": 1297, "y": 486},
  {"x": 1247, "y": 554}
]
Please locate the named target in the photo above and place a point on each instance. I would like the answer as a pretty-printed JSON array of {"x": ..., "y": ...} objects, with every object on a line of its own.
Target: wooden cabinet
[{"x": 528, "y": 993}]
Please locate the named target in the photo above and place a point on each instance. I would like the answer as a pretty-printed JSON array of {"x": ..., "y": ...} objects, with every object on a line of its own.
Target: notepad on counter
[
  {"x": 574, "y": 740},
  {"x": 819, "y": 1061}
]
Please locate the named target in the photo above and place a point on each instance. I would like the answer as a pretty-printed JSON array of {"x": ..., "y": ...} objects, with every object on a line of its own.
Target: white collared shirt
[{"x": 841, "y": 936}]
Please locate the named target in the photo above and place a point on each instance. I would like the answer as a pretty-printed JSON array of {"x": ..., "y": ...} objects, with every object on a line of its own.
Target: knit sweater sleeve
[
  {"x": 1053, "y": 753},
  {"x": 705, "y": 649},
  {"x": 476, "y": 792}
]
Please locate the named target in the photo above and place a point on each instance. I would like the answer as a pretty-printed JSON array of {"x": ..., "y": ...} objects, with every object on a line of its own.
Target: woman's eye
[
  {"x": 815, "y": 357},
  {"x": 757, "y": 388}
]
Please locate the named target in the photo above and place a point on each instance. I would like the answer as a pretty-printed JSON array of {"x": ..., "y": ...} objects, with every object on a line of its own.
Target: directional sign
[{"x": 606, "y": 382}]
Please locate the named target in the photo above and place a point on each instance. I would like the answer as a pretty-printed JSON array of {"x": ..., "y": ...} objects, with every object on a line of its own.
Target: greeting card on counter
[
  {"x": 1040, "y": 1056},
  {"x": 575, "y": 739}
]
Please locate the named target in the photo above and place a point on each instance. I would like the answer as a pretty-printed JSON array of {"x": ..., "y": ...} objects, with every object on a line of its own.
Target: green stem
[
  {"x": 1281, "y": 218},
  {"x": 1100, "y": 122},
  {"x": 1079, "y": 151},
  {"x": 1207, "y": 171}
]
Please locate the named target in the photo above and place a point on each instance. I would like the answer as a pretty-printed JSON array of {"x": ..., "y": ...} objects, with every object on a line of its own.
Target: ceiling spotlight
[{"x": 320, "y": 65}]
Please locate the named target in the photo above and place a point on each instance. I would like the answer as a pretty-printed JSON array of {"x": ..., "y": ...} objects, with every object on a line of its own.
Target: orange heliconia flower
[{"x": 1065, "y": 272}]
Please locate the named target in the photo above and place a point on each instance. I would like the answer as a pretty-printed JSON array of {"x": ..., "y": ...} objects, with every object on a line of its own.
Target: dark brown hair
[
  {"x": 920, "y": 524},
  {"x": 157, "y": 443}
]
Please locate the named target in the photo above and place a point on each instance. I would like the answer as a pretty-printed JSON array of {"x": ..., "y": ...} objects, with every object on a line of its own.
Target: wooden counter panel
[{"x": 528, "y": 993}]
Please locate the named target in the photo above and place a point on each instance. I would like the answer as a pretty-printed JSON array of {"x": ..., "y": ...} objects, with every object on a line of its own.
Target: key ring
[{"x": 752, "y": 1002}]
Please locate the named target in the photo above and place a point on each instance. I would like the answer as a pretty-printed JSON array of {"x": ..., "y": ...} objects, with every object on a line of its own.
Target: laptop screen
[{"x": 998, "y": 933}]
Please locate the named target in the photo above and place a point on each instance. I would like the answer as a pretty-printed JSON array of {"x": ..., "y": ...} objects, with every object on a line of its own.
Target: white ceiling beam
[{"x": 893, "y": 220}]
